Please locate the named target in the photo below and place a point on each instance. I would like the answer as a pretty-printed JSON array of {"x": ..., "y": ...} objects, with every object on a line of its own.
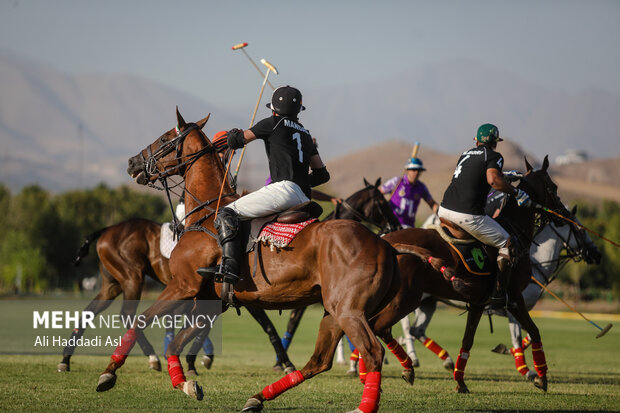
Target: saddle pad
[
  {"x": 474, "y": 258},
  {"x": 280, "y": 235},
  {"x": 167, "y": 241}
]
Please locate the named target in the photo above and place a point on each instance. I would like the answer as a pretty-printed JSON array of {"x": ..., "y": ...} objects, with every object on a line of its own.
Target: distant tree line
[{"x": 41, "y": 232}]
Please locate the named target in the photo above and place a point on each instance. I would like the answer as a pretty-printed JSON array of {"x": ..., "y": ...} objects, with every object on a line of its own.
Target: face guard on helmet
[
  {"x": 286, "y": 101},
  {"x": 414, "y": 164},
  {"x": 488, "y": 133}
]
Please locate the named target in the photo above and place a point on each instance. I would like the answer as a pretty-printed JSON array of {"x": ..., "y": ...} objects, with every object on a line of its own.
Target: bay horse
[
  {"x": 128, "y": 252},
  {"x": 429, "y": 264},
  {"x": 555, "y": 243},
  {"x": 339, "y": 263}
]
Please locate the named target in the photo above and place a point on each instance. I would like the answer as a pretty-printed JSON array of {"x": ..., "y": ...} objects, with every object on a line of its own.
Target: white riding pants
[
  {"x": 271, "y": 199},
  {"x": 482, "y": 227}
]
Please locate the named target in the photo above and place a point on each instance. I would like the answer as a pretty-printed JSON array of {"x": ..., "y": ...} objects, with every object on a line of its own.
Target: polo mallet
[
  {"x": 416, "y": 148},
  {"x": 603, "y": 330},
  {"x": 242, "y": 46},
  {"x": 270, "y": 68}
]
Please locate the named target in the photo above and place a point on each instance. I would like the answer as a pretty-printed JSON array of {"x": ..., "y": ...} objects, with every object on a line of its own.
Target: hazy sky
[{"x": 569, "y": 45}]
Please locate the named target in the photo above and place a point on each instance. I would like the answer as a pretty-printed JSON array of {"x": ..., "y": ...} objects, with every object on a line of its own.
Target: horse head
[
  {"x": 539, "y": 186},
  {"x": 371, "y": 203},
  {"x": 576, "y": 240},
  {"x": 171, "y": 153}
]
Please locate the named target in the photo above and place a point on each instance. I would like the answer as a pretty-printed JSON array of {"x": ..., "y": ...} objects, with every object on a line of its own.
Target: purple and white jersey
[{"x": 405, "y": 198}]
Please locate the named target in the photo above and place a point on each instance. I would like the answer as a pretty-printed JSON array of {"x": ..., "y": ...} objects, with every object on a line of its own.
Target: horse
[
  {"x": 367, "y": 205},
  {"x": 129, "y": 251},
  {"x": 429, "y": 264},
  {"x": 339, "y": 263},
  {"x": 551, "y": 239}
]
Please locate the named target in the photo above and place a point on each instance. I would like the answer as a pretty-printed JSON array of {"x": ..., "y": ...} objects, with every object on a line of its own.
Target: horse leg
[
  {"x": 110, "y": 289},
  {"x": 132, "y": 291},
  {"x": 175, "y": 370},
  {"x": 473, "y": 319},
  {"x": 540, "y": 363},
  {"x": 197, "y": 344},
  {"x": 517, "y": 348},
  {"x": 261, "y": 317},
  {"x": 403, "y": 358},
  {"x": 292, "y": 325},
  {"x": 409, "y": 340},
  {"x": 424, "y": 314},
  {"x": 326, "y": 343},
  {"x": 165, "y": 304}
]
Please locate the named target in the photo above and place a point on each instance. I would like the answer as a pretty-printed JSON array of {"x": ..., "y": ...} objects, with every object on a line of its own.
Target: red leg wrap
[
  {"x": 540, "y": 362},
  {"x": 122, "y": 351},
  {"x": 362, "y": 369},
  {"x": 525, "y": 343},
  {"x": 461, "y": 362},
  {"x": 400, "y": 354},
  {"x": 355, "y": 355},
  {"x": 436, "y": 348},
  {"x": 372, "y": 393},
  {"x": 519, "y": 357},
  {"x": 175, "y": 370},
  {"x": 289, "y": 381}
]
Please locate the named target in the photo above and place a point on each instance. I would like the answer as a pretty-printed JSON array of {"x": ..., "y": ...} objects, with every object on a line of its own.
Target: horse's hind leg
[
  {"x": 110, "y": 289},
  {"x": 261, "y": 317},
  {"x": 473, "y": 319},
  {"x": 326, "y": 343},
  {"x": 540, "y": 362}
]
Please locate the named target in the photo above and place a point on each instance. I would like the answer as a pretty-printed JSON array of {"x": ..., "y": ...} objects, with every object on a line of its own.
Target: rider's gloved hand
[
  {"x": 522, "y": 198},
  {"x": 513, "y": 175}
]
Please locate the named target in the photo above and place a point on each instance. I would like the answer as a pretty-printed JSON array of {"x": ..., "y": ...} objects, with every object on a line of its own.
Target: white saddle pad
[{"x": 167, "y": 242}]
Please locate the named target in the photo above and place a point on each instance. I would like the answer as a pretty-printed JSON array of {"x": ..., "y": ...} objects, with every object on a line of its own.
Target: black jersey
[
  {"x": 467, "y": 192},
  {"x": 289, "y": 147}
]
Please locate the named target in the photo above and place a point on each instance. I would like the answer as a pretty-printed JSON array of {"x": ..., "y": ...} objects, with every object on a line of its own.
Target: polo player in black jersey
[
  {"x": 478, "y": 170},
  {"x": 291, "y": 154}
]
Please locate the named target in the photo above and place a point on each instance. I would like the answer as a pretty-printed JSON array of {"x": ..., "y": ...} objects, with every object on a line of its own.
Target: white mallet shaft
[{"x": 242, "y": 46}]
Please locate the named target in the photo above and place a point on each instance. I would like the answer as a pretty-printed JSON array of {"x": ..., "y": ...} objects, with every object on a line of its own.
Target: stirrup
[
  {"x": 228, "y": 296},
  {"x": 219, "y": 274}
]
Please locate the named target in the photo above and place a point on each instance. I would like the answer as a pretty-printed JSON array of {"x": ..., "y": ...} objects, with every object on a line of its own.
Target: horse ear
[
  {"x": 180, "y": 121},
  {"x": 366, "y": 182},
  {"x": 528, "y": 167},
  {"x": 545, "y": 164},
  {"x": 378, "y": 182},
  {"x": 202, "y": 122},
  {"x": 574, "y": 210}
]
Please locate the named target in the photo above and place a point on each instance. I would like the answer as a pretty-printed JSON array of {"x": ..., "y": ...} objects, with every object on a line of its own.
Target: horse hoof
[
  {"x": 207, "y": 361},
  {"x": 500, "y": 349},
  {"x": 352, "y": 372},
  {"x": 408, "y": 376},
  {"x": 193, "y": 389},
  {"x": 531, "y": 375},
  {"x": 192, "y": 372},
  {"x": 154, "y": 363},
  {"x": 448, "y": 364},
  {"x": 106, "y": 382},
  {"x": 278, "y": 367},
  {"x": 415, "y": 362},
  {"x": 461, "y": 388},
  {"x": 63, "y": 367},
  {"x": 289, "y": 369},
  {"x": 253, "y": 405},
  {"x": 541, "y": 383}
]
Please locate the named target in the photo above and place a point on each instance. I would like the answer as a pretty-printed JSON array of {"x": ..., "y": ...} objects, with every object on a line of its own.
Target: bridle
[{"x": 376, "y": 204}]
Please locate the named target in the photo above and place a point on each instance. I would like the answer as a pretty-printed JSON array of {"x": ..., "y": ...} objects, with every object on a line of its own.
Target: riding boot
[
  {"x": 227, "y": 225},
  {"x": 498, "y": 299}
]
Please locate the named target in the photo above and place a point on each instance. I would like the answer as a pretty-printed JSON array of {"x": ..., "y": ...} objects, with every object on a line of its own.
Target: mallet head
[
  {"x": 239, "y": 46},
  {"x": 269, "y": 66}
]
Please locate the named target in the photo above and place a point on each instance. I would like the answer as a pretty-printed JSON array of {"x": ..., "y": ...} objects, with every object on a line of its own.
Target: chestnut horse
[
  {"x": 431, "y": 265},
  {"x": 128, "y": 252},
  {"x": 338, "y": 263}
]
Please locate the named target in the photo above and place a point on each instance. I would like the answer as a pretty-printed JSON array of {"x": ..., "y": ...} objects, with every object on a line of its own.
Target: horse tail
[
  {"x": 83, "y": 251},
  {"x": 425, "y": 255}
]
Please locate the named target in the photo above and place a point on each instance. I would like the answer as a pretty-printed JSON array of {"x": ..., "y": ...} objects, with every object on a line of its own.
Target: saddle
[{"x": 473, "y": 253}]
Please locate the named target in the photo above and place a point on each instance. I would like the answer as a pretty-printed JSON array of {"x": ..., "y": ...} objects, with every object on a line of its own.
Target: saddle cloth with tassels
[{"x": 278, "y": 235}]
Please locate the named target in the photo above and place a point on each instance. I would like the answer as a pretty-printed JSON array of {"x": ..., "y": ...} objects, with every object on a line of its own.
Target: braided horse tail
[{"x": 83, "y": 251}]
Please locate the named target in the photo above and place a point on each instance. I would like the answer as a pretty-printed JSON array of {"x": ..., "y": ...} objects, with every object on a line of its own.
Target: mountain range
[{"x": 66, "y": 131}]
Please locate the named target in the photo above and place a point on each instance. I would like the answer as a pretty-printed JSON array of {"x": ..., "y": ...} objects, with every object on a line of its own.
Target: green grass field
[{"x": 584, "y": 375}]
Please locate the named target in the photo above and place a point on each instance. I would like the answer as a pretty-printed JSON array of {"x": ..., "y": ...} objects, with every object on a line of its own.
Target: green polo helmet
[{"x": 488, "y": 133}]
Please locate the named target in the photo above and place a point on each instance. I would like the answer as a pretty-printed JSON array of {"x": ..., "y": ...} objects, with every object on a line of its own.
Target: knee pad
[{"x": 227, "y": 224}]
